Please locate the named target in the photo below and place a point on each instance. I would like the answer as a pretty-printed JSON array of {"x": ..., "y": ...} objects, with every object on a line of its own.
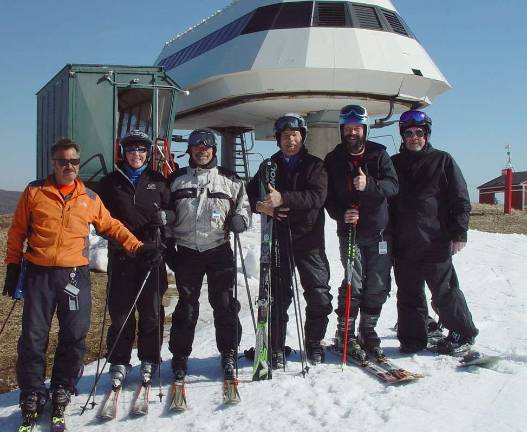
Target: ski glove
[
  {"x": 151, "y": 254},
  {"x": 160, "y": 218},
  {"x": 236, "y": 224},
  {"x": 11, "y": 279}
]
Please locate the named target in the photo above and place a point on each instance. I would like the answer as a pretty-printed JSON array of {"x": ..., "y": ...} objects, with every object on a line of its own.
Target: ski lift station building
[{"x": 254, "y": 60}]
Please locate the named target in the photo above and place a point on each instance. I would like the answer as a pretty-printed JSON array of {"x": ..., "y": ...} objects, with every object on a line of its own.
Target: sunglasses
[
  {"x": 65, "y": 162},
  {"x": 131, "y": 149},
  {"x": 419, "y": 133}
]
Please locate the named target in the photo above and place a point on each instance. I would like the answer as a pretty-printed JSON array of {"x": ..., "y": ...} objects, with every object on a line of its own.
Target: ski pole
[
  {"x": 9, "y": 315},
  {"x": 249, "y": 297},
  {"x": 108, "y": 286},
  {"x": 300, "y": 328},
  {"x": 236, "y": 317},
  {"x": 132, "y": 308},
  {"x": 160, "y": 325},
  {"x": 352, "y": 233}
]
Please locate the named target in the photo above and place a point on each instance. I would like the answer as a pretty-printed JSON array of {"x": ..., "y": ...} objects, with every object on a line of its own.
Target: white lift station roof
[{"x": 254, "y": 60}]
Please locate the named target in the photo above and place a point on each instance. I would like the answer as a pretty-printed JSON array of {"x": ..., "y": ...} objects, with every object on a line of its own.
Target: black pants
[
  {"x": 44, "y": 294},
  {"x": 447, "y": 299},
  {"x": 370, "y": 278},
  {"x": 191, "y": 266},
  {"x": 127, "y": 276},
  {"x": 313, "y": 269}
]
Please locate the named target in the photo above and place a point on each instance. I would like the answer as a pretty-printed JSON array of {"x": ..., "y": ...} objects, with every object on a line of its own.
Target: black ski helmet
[
  {"x": 202, "y": 136},
  {"x": 415, "y": 118},
  {"x": 291, "y": 121},
  {"x": 136, "y": 136}
]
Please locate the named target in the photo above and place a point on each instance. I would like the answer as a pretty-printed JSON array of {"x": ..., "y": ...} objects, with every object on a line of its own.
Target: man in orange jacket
[{"x": 53, "y": 216}]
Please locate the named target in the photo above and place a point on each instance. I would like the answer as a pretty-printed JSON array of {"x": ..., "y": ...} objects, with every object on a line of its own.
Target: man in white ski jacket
[{"x": 209, "y": 202}]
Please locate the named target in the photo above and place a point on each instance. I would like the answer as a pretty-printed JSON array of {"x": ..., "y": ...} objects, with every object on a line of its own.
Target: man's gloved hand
[
  {"x": 151, "y": 253},
  {"x": 236, "y": 224},
  {"x": 11, "y": 279},
  {"x": 160, "y": 218}
]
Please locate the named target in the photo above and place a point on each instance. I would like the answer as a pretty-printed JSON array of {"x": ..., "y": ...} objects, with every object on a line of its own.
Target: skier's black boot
[
  {"x": 354, "y": 349},
  {"x": 228, "y": 364},
  {"x": 59, "y": 402},
  {"x": 179, "y": 367},
  {"x": 31, "y": 405},
  {"x": 278, "y": 359},
  {"x": 315, "y": 352},
  {"x": 455, "y": 344},
  {"x": 367, "y": 336}
]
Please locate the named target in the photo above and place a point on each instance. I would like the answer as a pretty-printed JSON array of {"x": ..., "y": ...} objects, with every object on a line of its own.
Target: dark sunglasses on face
[
  {"x": 419, "y": 133},
  {"x": 138, "y": 149},
  {"x": 65, "y": 162}
]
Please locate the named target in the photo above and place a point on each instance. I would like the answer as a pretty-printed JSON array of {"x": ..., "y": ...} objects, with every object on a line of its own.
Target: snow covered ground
[{"x": 492, "y": 271}]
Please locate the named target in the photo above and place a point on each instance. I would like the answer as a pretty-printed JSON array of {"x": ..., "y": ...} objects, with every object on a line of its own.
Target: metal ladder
[{"x": 241, "y": 162}]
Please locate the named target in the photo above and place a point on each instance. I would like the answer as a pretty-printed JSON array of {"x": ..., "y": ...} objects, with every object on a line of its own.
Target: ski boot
[
  {"x": 179, "y": 367},
  {"x": 31, "y": 405},
  {"x": 315, "y": 352},
  {"x": 367, "y": 336},
  {"x": 59, "y": 402},
  {"x": 353, "y": 349},
  {"x": 228, "y": 364},
  {"x": 118, "y": 374},
  {"x": 455, "y": 344},
  {"x": 146, "y": 371},
  {"x": 278, "y": 360}
]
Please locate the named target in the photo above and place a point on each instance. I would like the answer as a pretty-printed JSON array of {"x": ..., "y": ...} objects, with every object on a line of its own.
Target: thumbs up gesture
[
  {"x": 274, "y": 198},
  {"x": 359, "y": 182}
]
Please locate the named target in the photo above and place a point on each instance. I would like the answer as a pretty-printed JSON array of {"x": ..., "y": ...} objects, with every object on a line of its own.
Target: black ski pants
[
  {"x": 190, "y": 267},
  {"x": 44, "y": 294},
  {"x": 447, "y": 299},
  {"x": 313, "y": 269},
  {"x": 127, "y": 276},
  {"x": 370, "y": 278}
]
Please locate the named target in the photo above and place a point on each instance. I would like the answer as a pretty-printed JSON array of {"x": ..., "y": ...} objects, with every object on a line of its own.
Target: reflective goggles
[
  {"x": 288, "y": 122},
  {"x": 201, "y": 138},
  {"x": 138, "y": 149},
  {"x": 65, "y": 162},
  {"x": 418, "y": 117},
  {"x": 419, "y": 133},
  {"x": 357, "y": 110}
]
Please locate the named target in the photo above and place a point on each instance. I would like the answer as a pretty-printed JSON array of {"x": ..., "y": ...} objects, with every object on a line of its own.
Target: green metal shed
[{"x": 95, "y": 105}]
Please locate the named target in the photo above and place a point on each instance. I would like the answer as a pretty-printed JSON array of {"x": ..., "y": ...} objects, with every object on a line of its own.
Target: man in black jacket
[
  {"x": 133, "y": 193},
  {"x": 430, "y": 217},
  {"x": 298, "y": 203},
  {"x": 360, "y": 179}
]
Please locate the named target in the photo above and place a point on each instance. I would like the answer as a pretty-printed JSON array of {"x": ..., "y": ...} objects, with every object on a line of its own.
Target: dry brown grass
[{"x": 486, "y": 218}]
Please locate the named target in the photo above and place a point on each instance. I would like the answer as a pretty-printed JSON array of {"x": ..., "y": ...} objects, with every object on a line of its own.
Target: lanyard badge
[
  {"x": 383, "y": 245},
  {"x": 72, "y": 291}
]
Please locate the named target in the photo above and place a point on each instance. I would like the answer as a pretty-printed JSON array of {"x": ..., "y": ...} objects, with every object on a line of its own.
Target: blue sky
[{"x": 478, "y": 45}]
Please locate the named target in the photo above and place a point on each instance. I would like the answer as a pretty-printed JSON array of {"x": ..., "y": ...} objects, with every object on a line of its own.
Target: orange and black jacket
[{"x": 56, "y": 228}]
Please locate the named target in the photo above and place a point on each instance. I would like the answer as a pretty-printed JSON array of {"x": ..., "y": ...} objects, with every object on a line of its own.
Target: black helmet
[
  {"x": 136, "y": 136},
  {"x": 202, "y": 136},
  {"x": 291, "y": 121},
  {"x": 415, "y": 118}
]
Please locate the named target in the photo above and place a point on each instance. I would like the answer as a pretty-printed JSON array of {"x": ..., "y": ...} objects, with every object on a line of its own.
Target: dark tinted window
[
  {"x": 294, "y": 15},
  {"x": 367, "y": 17},
  {"x": 262, "y": 19},
  {"x": 394, "y": 22},
  {"x": 329, "y": 14}
]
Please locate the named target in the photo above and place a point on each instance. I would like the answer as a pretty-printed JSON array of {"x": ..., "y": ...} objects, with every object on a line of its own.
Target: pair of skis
[
  {"x": 231, "y": 395},
  {"x": 140, "y": 401}
]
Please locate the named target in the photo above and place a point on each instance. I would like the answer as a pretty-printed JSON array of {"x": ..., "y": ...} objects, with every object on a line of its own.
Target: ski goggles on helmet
[
  {"x": 413, "y": 117},
  {"x": 289, "y": 122},
  {"x": 136, "y": 137},
  {"x": 201, "y": 137},
  {"x": 353, "y": 114}
]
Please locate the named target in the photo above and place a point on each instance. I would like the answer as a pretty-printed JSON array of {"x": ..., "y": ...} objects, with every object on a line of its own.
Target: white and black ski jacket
[{"x": 202, "y": 199}]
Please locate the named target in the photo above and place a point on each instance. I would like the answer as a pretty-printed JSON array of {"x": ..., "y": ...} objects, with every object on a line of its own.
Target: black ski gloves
[
  {"x": 236, "y": 224},
  {"x": 11, "y": 279},
  {"x": 151, "y": 253}
]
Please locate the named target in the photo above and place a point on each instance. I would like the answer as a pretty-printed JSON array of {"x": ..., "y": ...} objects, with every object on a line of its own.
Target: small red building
[{"x": 488, "y": 191}]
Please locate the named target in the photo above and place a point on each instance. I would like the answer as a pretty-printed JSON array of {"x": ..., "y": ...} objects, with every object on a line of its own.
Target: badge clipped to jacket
[
  {"x": 72, "y": 291},
  {"x": 383, "y": 245}
]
